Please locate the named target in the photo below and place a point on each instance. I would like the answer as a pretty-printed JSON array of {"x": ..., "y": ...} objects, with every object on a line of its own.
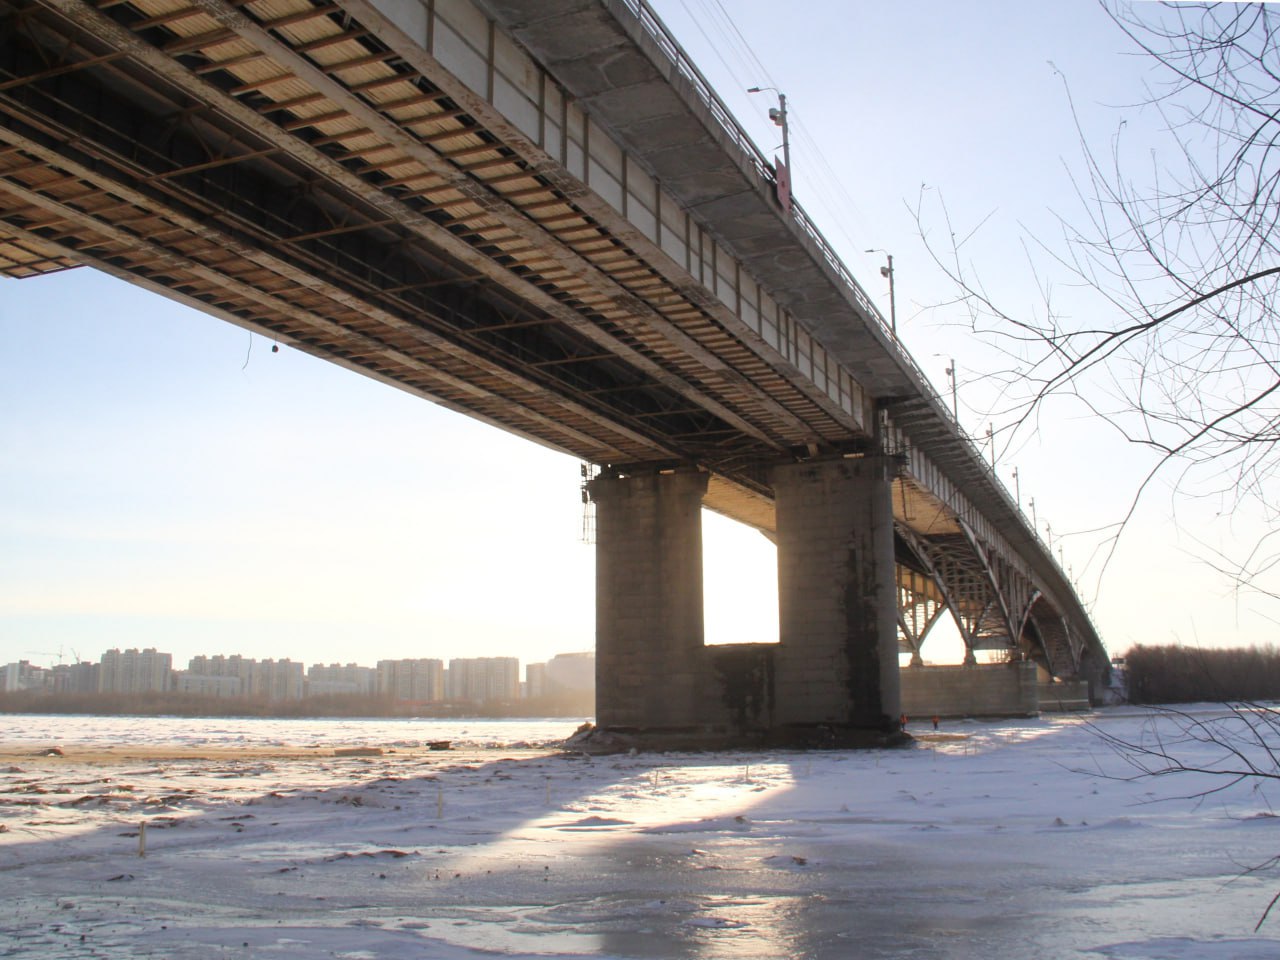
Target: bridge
[{"x": 539, "y": 214}]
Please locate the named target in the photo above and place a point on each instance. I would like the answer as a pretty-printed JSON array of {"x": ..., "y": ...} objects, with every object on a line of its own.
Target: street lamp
[
  {"x": 991, "y": 439},
  {"x": 887, "y": 273},
  {"x": 778, "y": 115},
  {"x": 955, "y": 405},
  {"x": 1017, "y": 489}
]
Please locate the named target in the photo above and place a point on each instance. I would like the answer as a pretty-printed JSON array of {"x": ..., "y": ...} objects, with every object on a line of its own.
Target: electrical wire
[
  {"x": 830, "y": 179},
  {"x": 764, "y": 71},
  {"x": 715, "y": 47},
  {"x": 834, "y": 206}
]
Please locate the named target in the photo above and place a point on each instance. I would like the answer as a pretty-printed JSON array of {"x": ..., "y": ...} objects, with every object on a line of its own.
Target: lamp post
[
  {"x": 1017, "y": 489},
  {"x": 991, "y": 439},
  {"x": 887, "y": 273},
  {"x": 778, "y": 115},
  {"x": 955, "y": 406}
]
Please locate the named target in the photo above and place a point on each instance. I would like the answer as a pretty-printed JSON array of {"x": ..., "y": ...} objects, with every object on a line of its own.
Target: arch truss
[
  {"x": 995, "y": 606},
  {"x": 920, "y": 603}
]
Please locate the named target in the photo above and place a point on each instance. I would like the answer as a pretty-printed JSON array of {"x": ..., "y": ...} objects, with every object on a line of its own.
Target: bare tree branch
[{"x": 1175, "y": 241}]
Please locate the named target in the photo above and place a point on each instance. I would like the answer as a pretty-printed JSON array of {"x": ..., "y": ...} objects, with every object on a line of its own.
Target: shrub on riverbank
[{"x": 1171, "y": 673}]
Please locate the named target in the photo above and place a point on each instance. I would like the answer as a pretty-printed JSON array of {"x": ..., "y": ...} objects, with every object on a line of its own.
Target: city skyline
[
  {"x": 149, "y": 672},
  {"x": 260, "y": 658}
]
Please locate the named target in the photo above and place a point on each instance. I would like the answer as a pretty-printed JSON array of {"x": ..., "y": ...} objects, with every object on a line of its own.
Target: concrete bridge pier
[
  {"x": 832, "y": 680},
  {"x": 837, "y": 660},
  {"x": 649, "y": 625}
]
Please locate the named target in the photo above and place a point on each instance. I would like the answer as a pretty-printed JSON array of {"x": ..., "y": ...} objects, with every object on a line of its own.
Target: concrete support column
[
  {"x": 837, "y": 663},
  {"x": 649, "y": 630}
]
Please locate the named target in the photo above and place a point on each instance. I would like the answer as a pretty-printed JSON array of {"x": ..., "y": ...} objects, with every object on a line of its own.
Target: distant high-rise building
[
  {"x": 281, "y": 679},
  {"x": 483, "y": 679},
  {"x": 571, "y": 673},
  {"x": 24, "y": 676},
  {"x": 535, "y": 681},
  {"x": 419, "y": 680},
  {"x": 135, "y": 671},
  {"x": 80, "y": 677},
  {"x": 208, "y": 685},
  {"x": 337, "y": 679},
  {"x": 258, "y": 679},
  {"x": 222, "y": 666}
]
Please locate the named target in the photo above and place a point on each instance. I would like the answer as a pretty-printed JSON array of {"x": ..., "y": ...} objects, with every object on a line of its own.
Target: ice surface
[
  {"x": 171, "y": 732},
  {"x": 1013, "y": 840}
]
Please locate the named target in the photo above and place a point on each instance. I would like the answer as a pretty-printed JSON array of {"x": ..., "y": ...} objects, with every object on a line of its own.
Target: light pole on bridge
[
  {"x": 955, "y": 403},
  {"x": 887, "y": 273},
  {"x": 778, "y": 115}
]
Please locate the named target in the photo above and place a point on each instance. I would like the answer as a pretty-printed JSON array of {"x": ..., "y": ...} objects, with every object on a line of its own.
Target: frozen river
[
  {"x": 1015, "y": 840},
  {"x": 252, "y": 733}
]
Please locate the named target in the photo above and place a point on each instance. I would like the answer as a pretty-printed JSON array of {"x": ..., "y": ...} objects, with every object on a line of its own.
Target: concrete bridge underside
[{"x": 535, "y": 213}]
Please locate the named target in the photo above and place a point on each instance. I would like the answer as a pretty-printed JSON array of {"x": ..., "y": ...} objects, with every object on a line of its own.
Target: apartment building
[
  {"x": 483, "y": 679},
  {"x": 135, "y": 671},
  {"x": 420, "y": 680},
  {"x": 259, "y": 679},
  {"x": 337, "y": 679}
]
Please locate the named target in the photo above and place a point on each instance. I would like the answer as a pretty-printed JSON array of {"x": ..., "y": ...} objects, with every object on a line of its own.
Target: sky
[{"x": 166, "y": 480}]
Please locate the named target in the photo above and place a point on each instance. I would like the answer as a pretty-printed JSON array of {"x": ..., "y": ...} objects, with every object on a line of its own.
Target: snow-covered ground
[{"x": 987, "y": 840}]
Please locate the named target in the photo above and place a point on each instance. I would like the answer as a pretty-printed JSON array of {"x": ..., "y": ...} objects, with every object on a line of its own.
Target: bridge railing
[
  {"x": 658, "y": 31},
  {"x": 668, "y": 44}
]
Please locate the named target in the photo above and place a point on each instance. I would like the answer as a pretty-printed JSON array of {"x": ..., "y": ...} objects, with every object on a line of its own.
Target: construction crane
[{"x": 48, "y": 653}]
